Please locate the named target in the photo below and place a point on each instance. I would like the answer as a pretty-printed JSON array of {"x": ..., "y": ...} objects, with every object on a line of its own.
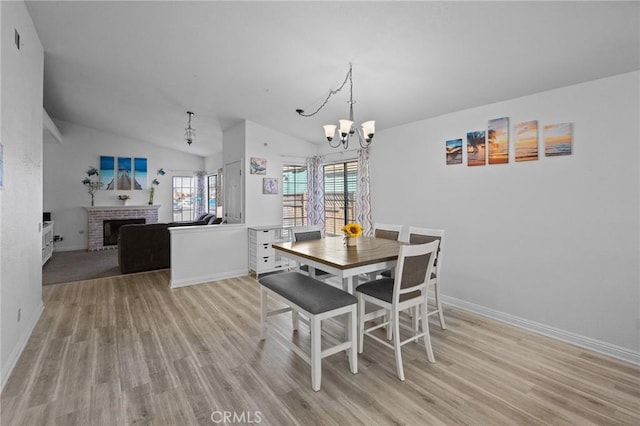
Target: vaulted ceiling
[{"x": 134, "y": 68}]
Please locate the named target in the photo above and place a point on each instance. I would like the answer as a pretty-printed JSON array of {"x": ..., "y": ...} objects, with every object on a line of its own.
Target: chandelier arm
[
  {"x": 331, "y": 93},
  {"x": 338, "y": 142},
  {"x": 362, "y": 139}
]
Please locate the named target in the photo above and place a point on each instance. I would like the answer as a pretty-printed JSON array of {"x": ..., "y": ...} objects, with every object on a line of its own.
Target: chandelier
[
  {"x": 190, "y": 132},
  {"x": 346, "y": 128}
]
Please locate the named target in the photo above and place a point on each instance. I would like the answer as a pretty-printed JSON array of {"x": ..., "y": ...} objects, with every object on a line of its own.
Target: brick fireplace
[{"x": 97, "y": 215}]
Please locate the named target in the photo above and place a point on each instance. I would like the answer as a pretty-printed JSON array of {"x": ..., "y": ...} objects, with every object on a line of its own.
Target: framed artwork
[
  {"x": 258, "y": 166},
  {"x": 269, "y": 185},
  {"x": 475, "y": 148},
  {"x": 140, "y": 173},
  {"x": 454, "y": 151},
  {"x": 107, "y": 172},
  {"x": 558, "y": 139},
  {"x": 526, "y": 143},
  {"x": 124, "y": 173},
  {"x": 498, "y": 140}
]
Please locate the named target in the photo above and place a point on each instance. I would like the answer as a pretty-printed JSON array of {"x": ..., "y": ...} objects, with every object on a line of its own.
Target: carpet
[{"x": 80, "y": 265}]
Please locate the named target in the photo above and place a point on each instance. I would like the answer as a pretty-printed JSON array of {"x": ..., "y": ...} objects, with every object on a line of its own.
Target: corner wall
[
  {"x": 266, "y": 209},
  {"x": 553, "y": 243},
  {"x": 21, "y": 193}
]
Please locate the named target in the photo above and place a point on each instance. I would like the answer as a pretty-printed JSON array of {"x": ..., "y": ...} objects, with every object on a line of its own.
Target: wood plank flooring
[{"x": 129, "y": 350}]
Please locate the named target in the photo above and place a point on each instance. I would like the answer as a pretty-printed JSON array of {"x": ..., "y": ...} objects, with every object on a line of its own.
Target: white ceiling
[{"x": 135, "y": 68}]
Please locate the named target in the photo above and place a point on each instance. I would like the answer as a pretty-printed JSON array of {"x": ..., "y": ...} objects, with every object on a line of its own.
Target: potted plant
[{"x": 92, "y": 182}]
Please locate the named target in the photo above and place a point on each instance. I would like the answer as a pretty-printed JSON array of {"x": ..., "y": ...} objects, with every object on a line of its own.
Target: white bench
[{"x": 318, "y": 301}]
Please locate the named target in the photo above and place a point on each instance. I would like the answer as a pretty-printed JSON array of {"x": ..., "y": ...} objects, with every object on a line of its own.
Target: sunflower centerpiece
[{"x": 351, "y": 232}]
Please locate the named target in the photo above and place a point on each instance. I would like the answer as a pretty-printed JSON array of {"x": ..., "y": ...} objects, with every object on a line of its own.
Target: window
[
  {"x": 183, "y": 198},
  {"x": 294, "y": 195},
  {"x": 340, "y": 182},
  {"x": 212, "y": 181}
]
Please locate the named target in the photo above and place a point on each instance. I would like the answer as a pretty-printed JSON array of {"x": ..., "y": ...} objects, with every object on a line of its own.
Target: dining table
[{"x": 347, "y": 263}]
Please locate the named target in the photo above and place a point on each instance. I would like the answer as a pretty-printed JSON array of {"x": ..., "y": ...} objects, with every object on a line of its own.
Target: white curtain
[
  {"x": 363, "y": 193},
  {"x": 315, "y": 191}
]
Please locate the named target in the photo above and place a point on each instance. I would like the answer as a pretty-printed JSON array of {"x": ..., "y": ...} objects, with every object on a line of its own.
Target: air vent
[{"x": 17, "y": 39}]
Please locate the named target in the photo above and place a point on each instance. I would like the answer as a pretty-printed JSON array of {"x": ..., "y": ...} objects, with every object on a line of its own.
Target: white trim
[
  {"x": 609, "y": 349},
  {"x": 14, "y": 356},
  {"x": 207, "y": 278}
]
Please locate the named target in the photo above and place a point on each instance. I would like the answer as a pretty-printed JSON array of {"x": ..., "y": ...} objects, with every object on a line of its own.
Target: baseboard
[
  {"x": 206, "y": 279},
  {"x": 70, "y": 248},
  {"x": 614, "y": 351},
  {"x": 12, "y": 360}
]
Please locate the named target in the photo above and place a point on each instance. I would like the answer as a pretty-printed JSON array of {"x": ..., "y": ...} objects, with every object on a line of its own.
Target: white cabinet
[
  {"x": 263, "y": 257},
  {"x": 47, "y": 241}
]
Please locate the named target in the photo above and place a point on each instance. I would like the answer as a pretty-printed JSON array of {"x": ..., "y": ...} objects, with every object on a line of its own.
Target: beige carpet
[{"x": 78, "y": 265}]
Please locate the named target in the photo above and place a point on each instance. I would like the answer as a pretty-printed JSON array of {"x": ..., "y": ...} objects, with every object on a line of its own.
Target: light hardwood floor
[{"x": 129, "y": 350}]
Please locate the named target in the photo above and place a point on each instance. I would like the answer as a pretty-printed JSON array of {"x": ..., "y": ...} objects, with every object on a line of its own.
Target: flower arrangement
[
  {"x": 351, "y": 231},
  {"x": 155, "y": 182},
  {"x": 123, "y": 197},
  {"x": 92, "y": 182}
]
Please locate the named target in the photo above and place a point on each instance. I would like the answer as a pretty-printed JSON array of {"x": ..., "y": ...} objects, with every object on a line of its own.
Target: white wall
[
  {"x": 20, "y": 196},
  {"x": 552, "y": 242},
  {"x": 65, "y": 166},
  {"x": 262, "y": 142},
  {"x": 201, "y": 254}
]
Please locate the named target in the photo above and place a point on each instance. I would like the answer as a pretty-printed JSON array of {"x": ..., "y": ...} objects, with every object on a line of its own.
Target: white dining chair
[
  {"x": 387, "y": 231},
  {"x": 422, "y": 236},
  {"x": 406, "y": 291},
  {"x": 308, "y": 233}
]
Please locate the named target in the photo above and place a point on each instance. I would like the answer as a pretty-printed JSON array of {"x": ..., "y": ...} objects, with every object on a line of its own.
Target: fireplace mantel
[
  {"x": 126, "y": 207},
  {"x": 96, "y": 215}
]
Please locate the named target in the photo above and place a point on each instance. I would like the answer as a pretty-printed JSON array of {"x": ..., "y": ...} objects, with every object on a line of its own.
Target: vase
[
  {"x": 351, "y": 242},
  {"x": 91, "y": 200},
  {"x": 124, "y": 202}
]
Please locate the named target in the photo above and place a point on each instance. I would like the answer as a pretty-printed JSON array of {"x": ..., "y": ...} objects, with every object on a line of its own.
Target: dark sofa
[{"x": 147, "y": 247}]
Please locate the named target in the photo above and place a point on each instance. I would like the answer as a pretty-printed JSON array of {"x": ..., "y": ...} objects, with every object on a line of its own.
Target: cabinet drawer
[
  {"x": 265, "y": 236},
  {"x": 266, "y": 262},
  {"x": 265, "y": 249}
]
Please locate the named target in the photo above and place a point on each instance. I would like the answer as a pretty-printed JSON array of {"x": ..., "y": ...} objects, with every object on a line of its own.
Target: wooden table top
[{"x": 333, "y": 252}]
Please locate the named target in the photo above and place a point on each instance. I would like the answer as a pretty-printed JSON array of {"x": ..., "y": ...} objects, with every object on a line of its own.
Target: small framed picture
[
  {"x": 269, "y": 185},
  {"x": 258, "y": 166}
]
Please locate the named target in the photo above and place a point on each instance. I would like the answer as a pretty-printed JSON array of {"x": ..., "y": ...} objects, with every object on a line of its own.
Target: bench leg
[
  {"x": 263, "y": 313},
  {"x": 353, "y": 338},
  {"x": 316, "y": 353}
]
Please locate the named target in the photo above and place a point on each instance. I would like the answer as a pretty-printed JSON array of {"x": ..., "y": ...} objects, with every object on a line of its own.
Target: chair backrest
[
  {"x": 426, "y": 235},
  {"x": 386, "y": 231},
  {"x": 306, "y": 233},
  {"x": 415, "y": 264}
]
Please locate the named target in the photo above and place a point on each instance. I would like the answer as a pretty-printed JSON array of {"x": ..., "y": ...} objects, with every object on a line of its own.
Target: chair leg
[
  {"x": 439, "y": 306},
  {"x": 353, "y": 338},
  {"x": 360, "y": 323},
  {"x": 396, "y": 343},
  {"x": 263, "y": 313},
  {"x": 427, "y": 336},
  {"x": 415, "y": 319},
  {"x": 316, "y": 354},
  {"x": 294, "y": 319},
  {"x": 387, "y": 318}
]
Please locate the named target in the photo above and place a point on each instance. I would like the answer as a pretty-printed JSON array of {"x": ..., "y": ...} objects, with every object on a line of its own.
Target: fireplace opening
[{"x": 112, "y": 226}]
